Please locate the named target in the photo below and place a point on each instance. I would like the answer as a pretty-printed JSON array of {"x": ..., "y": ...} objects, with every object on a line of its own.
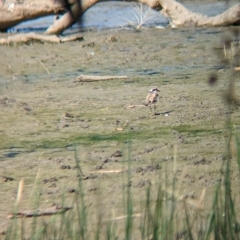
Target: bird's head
[{"x": 155, "y": 89}]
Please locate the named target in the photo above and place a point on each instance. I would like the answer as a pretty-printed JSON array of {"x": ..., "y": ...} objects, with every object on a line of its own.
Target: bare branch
[{"x": 40, "y": 212}]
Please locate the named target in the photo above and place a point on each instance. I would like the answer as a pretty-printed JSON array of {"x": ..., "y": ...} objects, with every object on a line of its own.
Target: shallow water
[
  {"x": 108, "y": 15},
  {"x": 103, "y": 16}
]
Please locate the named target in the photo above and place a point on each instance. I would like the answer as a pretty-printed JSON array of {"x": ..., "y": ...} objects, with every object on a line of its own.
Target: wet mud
[{"x": 48, "y": 119}]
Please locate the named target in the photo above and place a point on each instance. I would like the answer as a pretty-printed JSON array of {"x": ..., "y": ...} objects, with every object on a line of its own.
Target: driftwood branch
[
  {"x": 91, "y": 78},
  {"x": 76, "y": 9},
  {"x": 14, "y": 13},
  {"x": 30, "y": 37},
  {"x": 37, "y": 213},
  {"x": 181, "y": 16}
]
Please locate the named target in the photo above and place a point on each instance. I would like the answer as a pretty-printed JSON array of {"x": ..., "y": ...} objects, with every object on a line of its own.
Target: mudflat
[{"x": 47, "y": 117}]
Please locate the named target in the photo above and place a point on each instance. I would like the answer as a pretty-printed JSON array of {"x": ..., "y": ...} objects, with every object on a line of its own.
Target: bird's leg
[
  {"x": 155, "y": 108},
  {"x": 150, "y": 108}
]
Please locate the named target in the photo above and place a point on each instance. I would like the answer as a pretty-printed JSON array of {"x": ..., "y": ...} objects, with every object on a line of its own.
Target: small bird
[{"x": 152, "y": 99}]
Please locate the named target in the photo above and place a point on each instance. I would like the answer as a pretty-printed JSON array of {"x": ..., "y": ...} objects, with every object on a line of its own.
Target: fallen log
[
  {"x": 37, "y": 213},
  {"x": 177, "y": 14},
  {"x": 75, "y": 9},
  {"x": 181, "y": 16},
  {"x": 92, "y": 78},
  {"x": 14, "y": 12},
  {"x": 31, "y": 37}
]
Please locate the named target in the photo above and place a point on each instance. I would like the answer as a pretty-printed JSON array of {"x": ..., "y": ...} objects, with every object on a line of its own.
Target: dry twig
[
  {"x": 37, "y": 213},
  {"x": 134, "y": 106}
]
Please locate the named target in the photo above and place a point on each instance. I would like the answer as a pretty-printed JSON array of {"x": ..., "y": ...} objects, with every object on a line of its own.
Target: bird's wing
[
  {"x": 148, "y": 98},
  {"x": 154, "y": 97}
]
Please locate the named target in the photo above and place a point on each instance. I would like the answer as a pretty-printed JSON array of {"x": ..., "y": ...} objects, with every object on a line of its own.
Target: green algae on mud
[
  {"x": 94, "y": 138},
  {"x": 80, "y": 139},
  {"x": 194, "y": 131}
]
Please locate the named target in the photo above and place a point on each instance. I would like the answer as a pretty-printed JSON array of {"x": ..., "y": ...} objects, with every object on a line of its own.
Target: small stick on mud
[
  {"x": 37, "y": 213},
  {"x": 43, "y": 66},
  {"x": 92, "y": 78},
  {"x": 134, "y": 106},
  {"x": 108, "y": 171},
  {"x": 237, "y": 68}
]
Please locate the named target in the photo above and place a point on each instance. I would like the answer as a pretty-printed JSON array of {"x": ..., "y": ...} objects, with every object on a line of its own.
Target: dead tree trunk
[
  {"x": 180, "y": 16},
  {"x": 76, "y": 9},
  {"x": 13, "y": 13}
]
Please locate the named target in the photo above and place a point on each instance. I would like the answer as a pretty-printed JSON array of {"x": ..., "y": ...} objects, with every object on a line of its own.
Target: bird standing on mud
[{"x": 152, "y": 99}]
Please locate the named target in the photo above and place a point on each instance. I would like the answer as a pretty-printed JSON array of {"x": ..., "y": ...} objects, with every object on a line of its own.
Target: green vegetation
[
  {"x": 94, "y": 138},
  {"x": 159, "y": 219}
]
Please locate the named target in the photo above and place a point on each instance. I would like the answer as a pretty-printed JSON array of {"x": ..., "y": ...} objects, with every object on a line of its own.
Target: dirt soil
[{"x": 46, "y": 116}]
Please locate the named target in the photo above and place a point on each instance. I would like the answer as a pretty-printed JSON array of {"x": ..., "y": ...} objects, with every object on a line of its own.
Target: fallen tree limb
[
  {"x": 37, "y": 213},
  {"x": 14, "y": 13},
  {"x": 181, "y": 16},
  {"x": 75, "y": 10},
  {"x": 31, "y": 37},
  {"x": 91, "y": 78}
]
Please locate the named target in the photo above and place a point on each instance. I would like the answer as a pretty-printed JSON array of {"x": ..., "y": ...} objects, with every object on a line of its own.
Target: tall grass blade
[
  {"x": 189, "y": 229},
  {"x": 129, "y": 203},
  {"x": 82, "y": 213}
]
